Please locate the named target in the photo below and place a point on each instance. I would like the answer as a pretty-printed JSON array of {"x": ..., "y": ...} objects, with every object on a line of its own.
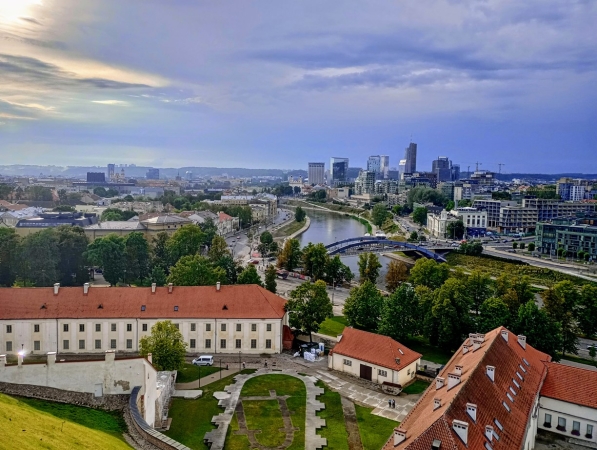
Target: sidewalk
[{"x": 205, "y": 380}]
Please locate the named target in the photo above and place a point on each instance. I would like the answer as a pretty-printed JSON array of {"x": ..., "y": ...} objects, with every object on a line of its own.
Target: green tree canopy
[
  {"x": 369, "y": 266},
  {"x": 218, "y": 249},
  {"x": 196, "y": 270},
  {"x": 587, "y": 310},
  {"x": 250, "y": 276},
  {"x": 270, "y": 278},
  {"x": 420, "y": 216},
  {"x": 166, "y": 345},
  {"x": 480, "y": 288},
  {"x": 159, "y": 251},
  {"x": 108, "y": 253},
  {"x": 423, "y": 194},
  {"x": 451, "y": 311},
  {"x": 379, "y": 214},
  {"x": 336, "y": 272},
  {"x": 9, "y": 256},
  {"x": 290, "y": 255},
  {"x": 308, "y": 306},
  {"x": 185, "y": 241},
  {"x": 266, "y": 238},
  {"x": 39, "y": 258},
  {"x": 315, "y": 258},
  {"x": 396, "y": 275},
  {"x": 561, "y": 303},
  {"x": 541, "y": 331},
  {"x": 400, "y": 314},
  {"x": 209, "y": 229},
  {"x": 427, "y": 272},
  {"x": 493, "y": 313},
  {"x": 455, "y": 230},
  {"x": 514, "y": 290},
  {"x": 136, "y": 257},
  {"x": 72, "y": 244},
  {"x": 363, "y": 307},
  {"x": 299, "y": 214}
]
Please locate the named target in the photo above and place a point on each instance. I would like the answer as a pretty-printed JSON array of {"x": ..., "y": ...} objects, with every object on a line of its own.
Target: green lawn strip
[
  {"x": 265, "y": 415},
  {"x": 289, "y": 229},
  {"x": 580, "y": 360},
  {"x": 335, "y": 428},
  {"x": 191, "y": 419},
  {"x": 417, "y": 387},
  {"x": 374, "y": 430},
  {"x": 429, "y": 352},
  {"x": 191, "y": 372},
  {"x": 333, "y": 326}
]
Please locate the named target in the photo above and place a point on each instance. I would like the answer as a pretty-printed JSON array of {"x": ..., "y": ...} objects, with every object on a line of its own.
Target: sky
[{"x": 272, "y": 84}]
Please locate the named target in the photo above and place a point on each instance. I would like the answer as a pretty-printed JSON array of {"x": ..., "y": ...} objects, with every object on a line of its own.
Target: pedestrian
[
  {"x": 226, "y": 366},
  {"x": 389, "y": 403},
  {"x": 244, "y": 365},
  {"x": 393, "y": 404},
  {"x": 266, "y": 364}
]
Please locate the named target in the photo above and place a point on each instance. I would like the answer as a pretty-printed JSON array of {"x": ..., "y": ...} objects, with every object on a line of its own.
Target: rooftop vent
[
  {"x": 471, "y": 410},
  {"x": 491, "y": 372},
  {"x": 225, "y": 307},
  {"x": 398, "y": 361},
  {"x": 505, "y": 335},
  {"x": 465, "y": 349},
  {"x": 399, "y": 436},
  {"x": 56, "y": 288},
  {"x": 86, "y": 288},
  {"x": 461, "y": 429},
  {"x": 439, "y": 382},
  {"x": 458, "y": 370},
  {"x": 170, "y": 286},
  {"x": 453, "y": 380},
  {"x": 43, "y": 306},
  {"x": 153, "y": 287},
  {"x": 436, "y": 403},
  {"x": 436, "y": 444},
  {"x": 522, "y": 340},
  {"x": 218, "y": 286},
  {"x": 477, "y": 344}
]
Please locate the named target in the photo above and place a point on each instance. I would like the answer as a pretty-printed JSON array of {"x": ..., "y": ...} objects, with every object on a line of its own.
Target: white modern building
[
  {"x": 437, "y": 224},
  {"x": 316, "y": 173}
]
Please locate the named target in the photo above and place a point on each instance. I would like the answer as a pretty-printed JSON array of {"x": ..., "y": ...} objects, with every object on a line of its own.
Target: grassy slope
[
  {"x": 288, "y": 229},
  {"x": 190, "y": 372},
  {"x": 335, "y": 429},
  {"x": 429, "y": 352},
  {"x": 417, "y": 387},
  {"x": 39, "y": 424},
  {"x": 333, "y": 326},
  {"x": 374, "y": 430}
]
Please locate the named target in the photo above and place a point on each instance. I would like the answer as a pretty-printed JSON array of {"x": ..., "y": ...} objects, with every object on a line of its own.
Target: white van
[{"x": 205, "y": 360}]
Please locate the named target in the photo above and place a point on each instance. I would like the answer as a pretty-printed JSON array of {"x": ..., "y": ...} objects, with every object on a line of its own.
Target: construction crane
[
  {"x": 477, "y": 164},
  {"x": 500, "y": 167}
]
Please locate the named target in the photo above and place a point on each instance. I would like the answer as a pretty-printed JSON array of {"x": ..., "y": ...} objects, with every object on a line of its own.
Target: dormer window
[
  {"x": 142, "y": 307},
  {"x": 522, "y": 368},
  {"x": 176, "y": 308},
  {"x": 515, "y": 383}
]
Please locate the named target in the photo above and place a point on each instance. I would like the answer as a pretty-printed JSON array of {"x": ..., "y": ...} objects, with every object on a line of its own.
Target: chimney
[
  {"x": 481, "y": 337},
  {"x": 471, "y": 410},
  {"x": 170, "y": 286},
  {"x": 436, "y": 403},
  {"x": 150, "y": 358},
  {"x": 505, "y": 335},
  {"x": 153, "y": 287},
  {"x": 465, "y": 349},
  {"x": 399, "y": 436},
  {"x": 461, "y": 429},
  {"x": 491, "y": 373},
  {"x": 436, "y": 444},
  {"x": 522, "y": 340},
  {"x": 489, "y": 433},
  {"x": 85, "y": 288},
  {"x": 397, "y": 361},
  {"x": 458, "y": 370},
  {"x": 51, "y": 358},
  {"x": 476, "y": 344},
  {"x": 439, "y": 383},
  {"x": 218, "y": 286},
  {"x": 453, "y": 380},
  {"x": 2, "y": 361},
  {"x": 110, "y": 355},
  {"x": 56, "y": 288}
]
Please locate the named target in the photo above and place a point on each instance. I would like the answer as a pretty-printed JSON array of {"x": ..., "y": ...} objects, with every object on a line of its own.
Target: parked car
[{"x": 205, "y": 360}]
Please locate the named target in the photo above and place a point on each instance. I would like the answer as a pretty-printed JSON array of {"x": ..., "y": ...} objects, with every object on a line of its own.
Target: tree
[
  {"x": 561, "y": 303},
  {"x": 64, "y": 208},
  {"x": 561, "y": 252},
  {"x": 270, "y": 278},
  {"x": 369, "y": 266},
  {"x": 336, "y": 272},
  {"x": 250, "y": 276},
  {"x": 266, "y": 238},
  {"x": 451, "y": 311},
  {"x": 101, "y": 191},
  {"x": 450, "y": 206},
  {"x": 315, "y": 258},
  {"x": 541, "y": 331},
  {"x": 379, "y": 214},
  {"x": 427, "y": 272},
  {"x": 218, "y": 249},
  {"x": 396, "y": 275},
  {"x": 39, "y": 257},
  {"x": 209, "y": 229},
  {"x": 185, "y": 241},
  {"x": 195, "y": 270},
  {"x": 363, "y": 307},
  {"x": 400, "y": 314},
  {"x": 471, "y": 248},
  {"x": 397, "y": 209},
  {"x": 420, "y": 216},
  {"x": 587, "y": 313},
  {"x": 136, "y": 257},
  {"x": 308, "y": 306},
  {"x": 465, "y": 203},
  {"x": 9, "y": 256},
  {"x": 290, "y": 255},
  {"x": 166, "y": 345},
  {"x": 230, "y": 267},
  {"x": 160, "y": 254},
  {"x": 455, "y": 230},
  {"x": 514, "y": 291},
  {"x": 414, "y": 236},
  {"x": 299, "y": 214},
  {"x": 515, "y": 245},
  {"x": 62, "y": 196},
  {"x": 522, "y": 245},
  {"x": 531, "y": 246},
  {"x": 479, "y": 287},
  {"x": 158, "y": 276},
  {"x": 424, "y": 194},
  {"x": 72, "y": 244},
  {"x": 108, "y": 253},
  {"x": 493, "y": 313}
]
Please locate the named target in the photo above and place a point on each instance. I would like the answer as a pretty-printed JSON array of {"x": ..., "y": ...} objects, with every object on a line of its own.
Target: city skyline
[{"x": 186, "y": 84}]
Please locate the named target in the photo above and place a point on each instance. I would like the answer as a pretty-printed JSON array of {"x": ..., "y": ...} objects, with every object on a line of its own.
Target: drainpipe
[
  {"x": 137, "y": 335},
  {"x": 56, "y": 335},
  {"x": 216, "y": 337}
]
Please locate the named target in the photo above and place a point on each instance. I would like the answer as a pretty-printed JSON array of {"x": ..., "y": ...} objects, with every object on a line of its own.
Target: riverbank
[
  {"x": 292, "y": 230},
  {"x": 371, "y": 228}
]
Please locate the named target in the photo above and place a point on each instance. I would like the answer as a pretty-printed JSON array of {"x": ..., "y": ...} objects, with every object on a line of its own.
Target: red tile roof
[
  {"x": 201, "y": 302},
  {"x": 571, "y": 384},
  {"x": 424, "y": 424},
  {"x": 375, "y": 349},
  {"x": 223, "y": 216}
]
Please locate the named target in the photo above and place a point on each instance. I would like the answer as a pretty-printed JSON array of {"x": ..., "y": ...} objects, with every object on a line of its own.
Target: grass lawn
[
  {"x": 333, "y": 326},
  {"x": 417, "y": 387},
  {"x": 429, "y": 352},
  {"x": 374, "y": 430},
  {"x": 40, "y": 424},
  {"x": 190, "y": 372},
  {"x": 288, "y": 229},
  {"x": 578, "y": 359},
  {"x": 191, "y": 419},
  {"x": 334, "y": 430}
]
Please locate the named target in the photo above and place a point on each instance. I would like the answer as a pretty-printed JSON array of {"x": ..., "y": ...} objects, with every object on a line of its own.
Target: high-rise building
[
  {"x": 338, "y": 168},
  {"x": 365, "y": 183},
  {"x": 374, "y": 164},
  {"x": 410, "y": 155},
  {"x": 455, "y": 172},
  {"x": 442, "y": 168},
  {"x": 111, "y": 169},
  {"x": 401, "y": 169},
  {"x": 384, "y": 166},
  {"x": 96, "y": 177},
  {"x": 316, "y": 172},
  {"x": 153, "y": 174}
]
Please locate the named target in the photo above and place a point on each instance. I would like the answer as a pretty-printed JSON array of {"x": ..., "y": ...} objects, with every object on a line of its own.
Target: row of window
[
  {"x": 129, "y": 327},
  {"x": 575, "y": 426},
  {"x": 223, "y": 343}
]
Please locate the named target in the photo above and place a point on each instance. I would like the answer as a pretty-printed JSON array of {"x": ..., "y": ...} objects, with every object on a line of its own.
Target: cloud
[
  {"x": 13, "y": 116},
  {"x": 110, "y": 102},
  {"x": 30, "y": 20},
  {"x": 28, "y": 105}
]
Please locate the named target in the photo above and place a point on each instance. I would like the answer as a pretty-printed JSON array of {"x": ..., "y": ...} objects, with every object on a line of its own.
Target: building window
[
  {"x": 113, "y": 344},
  {"x": 589, "y": 434},
  {"x": 81, "y": 328},
  {"x": 223, "y": 327},
  {"x": 208, "y": 327},
  {"x": 238, "y": 343},
  {"x": 239, "y": 327},
  {"x": 253, "y": 343},
  {"x": 347, "y": 362},
  {"x": 506, "y": 406},
  {"x": 192, "y": 343},
  {"x": 253, "y": 327},
  {"x": 113, "y": 327},
  {"x": 129, "y": 327},
  {"x": 177, "y": 325},
  {"x": 98, "y": 327},
  {"x": 9, "y": 328},
  {"x": 547, "y": 422},
  {"x": 208, "y": 343},
  {"x": 382, "y": 373},
  {"x": 144, "y": 327},
  {"x": 268, "y": 327},
  {"x": 8, "y": 346},
  {"x": 222, "y": 343},
  {"x": 498, "y": 424},
  {"x": 193, "y": 327},
  {"x": 561, "y": 424},
  {"x": 129, "y": 343},
  {"x": 268, "y": 343},
  {"x": 81, "y": 344},
  {"x": 575, "y": 428},
  {"x": 36, "y": 328},
  {"x": 98, "y": 344},
  {"x": 65, "y": 344},
  {"x": 65, "y": 327},
  {"x": 37, "y": 345}
]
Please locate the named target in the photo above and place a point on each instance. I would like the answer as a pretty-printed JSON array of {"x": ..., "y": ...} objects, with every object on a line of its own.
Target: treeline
[{"x": 445, "y": 306}]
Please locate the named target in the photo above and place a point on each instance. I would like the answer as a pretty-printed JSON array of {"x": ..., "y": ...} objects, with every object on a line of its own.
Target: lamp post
[{"x": 239, "y": 363}]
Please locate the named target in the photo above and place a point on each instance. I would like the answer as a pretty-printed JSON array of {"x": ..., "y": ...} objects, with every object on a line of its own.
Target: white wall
[
  {"x": 403, "y": 377},
  {"x": 571, "y": 412}
]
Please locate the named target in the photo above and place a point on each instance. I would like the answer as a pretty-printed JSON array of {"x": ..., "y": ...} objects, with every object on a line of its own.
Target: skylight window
[
  {"x": 519, "y": 376},
  {"x": 176, "y": 308},
  {"x": 509, "y": 397},
  {"x": 142, "y": 307},
  {"x": 499, "y": 425},
  {"x": 526, "y": 362},
  {"x": 515, "y": 383},
  {"x": 512, "y": 390},
  {"x": 522, "y": 368},
  {"x": 506, "y": 406}
]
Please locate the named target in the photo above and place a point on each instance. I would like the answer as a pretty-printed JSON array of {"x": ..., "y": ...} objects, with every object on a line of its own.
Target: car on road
[
  {"x": 511, "y": 251},
  {"x": 590, "y": 346},
  {"x": 253, "y": 261},
  {"x": 204, "y": 360}
]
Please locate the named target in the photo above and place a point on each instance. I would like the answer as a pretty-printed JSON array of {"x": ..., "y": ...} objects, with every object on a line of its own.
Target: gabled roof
[
  {"x": 514, "y": 365},
  {"x": 168, "y": 218},
  {"x": 571, "y": 384},
  {"x": 223, "y": 216},
  {"x": 246, "y": 301},
  {"x": 375, "y": 349}
]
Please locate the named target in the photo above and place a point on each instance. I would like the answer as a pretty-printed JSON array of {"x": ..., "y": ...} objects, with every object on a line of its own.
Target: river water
[{"x": 332, "y": 227}]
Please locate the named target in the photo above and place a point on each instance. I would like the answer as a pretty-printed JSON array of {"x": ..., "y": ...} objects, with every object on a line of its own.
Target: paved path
[
  {"x": 352, "y": 427},
  {"x": 205, "y": 380}
]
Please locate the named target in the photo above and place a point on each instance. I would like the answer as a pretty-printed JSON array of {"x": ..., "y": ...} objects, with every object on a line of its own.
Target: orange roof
[
  {"x": 375, "y": 349},
  {"x": 223, "y": 216},
  {"x": 425, "y": 422},
  {"x": 12, "y": 206},
  {"x": 571, "y": 384},
  {"x": 200, "y": 302}
]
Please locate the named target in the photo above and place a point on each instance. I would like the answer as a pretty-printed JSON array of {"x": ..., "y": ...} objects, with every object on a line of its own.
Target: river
[{"x": 332, "y": 227}]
